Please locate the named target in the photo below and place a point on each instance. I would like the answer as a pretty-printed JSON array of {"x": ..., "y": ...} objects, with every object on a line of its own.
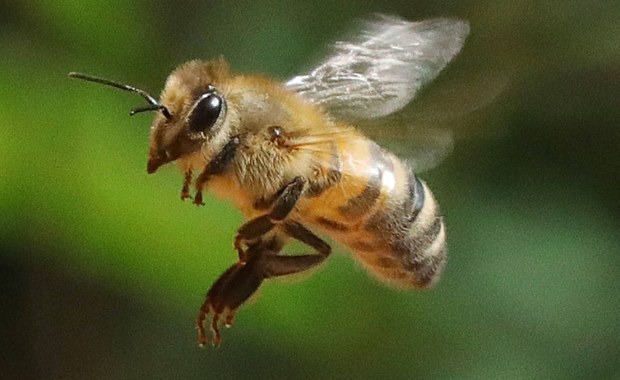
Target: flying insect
[{"x": 311, "y": 155}]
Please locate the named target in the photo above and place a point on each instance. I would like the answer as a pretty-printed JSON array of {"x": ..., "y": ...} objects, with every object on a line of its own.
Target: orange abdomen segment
[{"x": 371, "y": 202}]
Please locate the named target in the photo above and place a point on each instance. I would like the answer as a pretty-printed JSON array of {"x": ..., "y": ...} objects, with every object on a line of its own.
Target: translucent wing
[
  {"x": 423, "y": 151},
  {"x": 381, "y": 67},
  {"x": 424, "y": 131}
]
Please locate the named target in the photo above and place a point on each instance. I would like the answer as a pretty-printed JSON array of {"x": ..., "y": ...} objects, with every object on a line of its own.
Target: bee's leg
[
  {"x": 186, "y": 182},
  {"x": 242, "y": 279},
  {"x": 282, "y": 265},
  {"x": 234, "y": 287},
  {"x": 257, "y": 227},
  {"x": 216, "y": 166},
  {"x": 230, "y": 290}
]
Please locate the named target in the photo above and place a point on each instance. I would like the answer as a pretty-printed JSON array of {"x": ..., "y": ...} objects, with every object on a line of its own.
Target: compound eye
[{"x": 205, "y": 112}]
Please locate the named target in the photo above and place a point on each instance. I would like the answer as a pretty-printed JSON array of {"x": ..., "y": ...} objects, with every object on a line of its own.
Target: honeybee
[{"x": 297, "y": 156}]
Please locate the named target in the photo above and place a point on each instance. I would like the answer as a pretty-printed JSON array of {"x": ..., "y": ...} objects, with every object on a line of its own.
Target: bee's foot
[
  {"x": 214, "y": 326},
  {"x": 230, "y": 291},
  {"x": 229, "y": 319},
  {"x": 198, "y": 199},
  {"x": 200, "y": 325}
]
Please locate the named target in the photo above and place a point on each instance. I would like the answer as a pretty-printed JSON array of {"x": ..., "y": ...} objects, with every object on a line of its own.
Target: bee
[{"x": 299, "y": 156}]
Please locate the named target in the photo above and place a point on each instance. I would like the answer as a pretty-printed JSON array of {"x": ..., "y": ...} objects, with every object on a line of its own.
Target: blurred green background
[{"x": 103, "y": 269}]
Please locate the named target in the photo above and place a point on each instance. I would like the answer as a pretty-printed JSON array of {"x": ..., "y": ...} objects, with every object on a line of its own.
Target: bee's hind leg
[
  {"x": 234, "y": 287},
  {"x": 242, "y": 279},
  {"x": 259, "y": 261},
  {"x": 282, "y": 265}
]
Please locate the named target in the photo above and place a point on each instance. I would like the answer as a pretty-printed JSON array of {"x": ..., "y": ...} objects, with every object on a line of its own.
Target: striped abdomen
[{"x": 370, "y": 201}]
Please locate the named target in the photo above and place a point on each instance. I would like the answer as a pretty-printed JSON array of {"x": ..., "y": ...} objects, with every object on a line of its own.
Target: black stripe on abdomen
[
  {"x": 397, "y": 220},
  {"x": 405, "y": 235}
]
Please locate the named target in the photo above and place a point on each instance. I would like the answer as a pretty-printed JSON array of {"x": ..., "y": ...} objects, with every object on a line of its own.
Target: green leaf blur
[{"x": 103, "y": 268}]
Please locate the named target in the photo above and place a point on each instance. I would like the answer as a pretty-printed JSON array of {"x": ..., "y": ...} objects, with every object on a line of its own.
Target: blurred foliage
[{"x": 103, "y": 269}]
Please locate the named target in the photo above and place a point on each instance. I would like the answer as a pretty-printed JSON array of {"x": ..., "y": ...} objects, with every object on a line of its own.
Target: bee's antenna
[{"x": 154, "y": 105}]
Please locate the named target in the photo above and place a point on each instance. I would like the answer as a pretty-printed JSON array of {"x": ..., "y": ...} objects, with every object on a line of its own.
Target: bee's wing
[
  {"x": 367, "y": 78},
  {"x": 423, "y": 151},
  {"x": 424, "y": 131},
  {"x": 381, "y": 67}
]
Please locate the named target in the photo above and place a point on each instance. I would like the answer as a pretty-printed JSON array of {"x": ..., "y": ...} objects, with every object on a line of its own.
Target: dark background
[{"x": 102, "y": 268}]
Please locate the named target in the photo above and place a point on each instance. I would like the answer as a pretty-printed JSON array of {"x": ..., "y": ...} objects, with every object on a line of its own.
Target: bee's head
[
  {"x": 190, "y": 112},
  {"x": 198, "y": 109}
]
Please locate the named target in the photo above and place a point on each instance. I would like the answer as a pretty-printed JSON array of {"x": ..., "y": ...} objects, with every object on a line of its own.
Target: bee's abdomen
[
  {"x": 382, "y": 212},
  {"x": 405, "y": 242}
]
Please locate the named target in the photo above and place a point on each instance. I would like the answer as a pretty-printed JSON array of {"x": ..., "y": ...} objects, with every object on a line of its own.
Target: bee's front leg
[{"x": 216, "y": 166}]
